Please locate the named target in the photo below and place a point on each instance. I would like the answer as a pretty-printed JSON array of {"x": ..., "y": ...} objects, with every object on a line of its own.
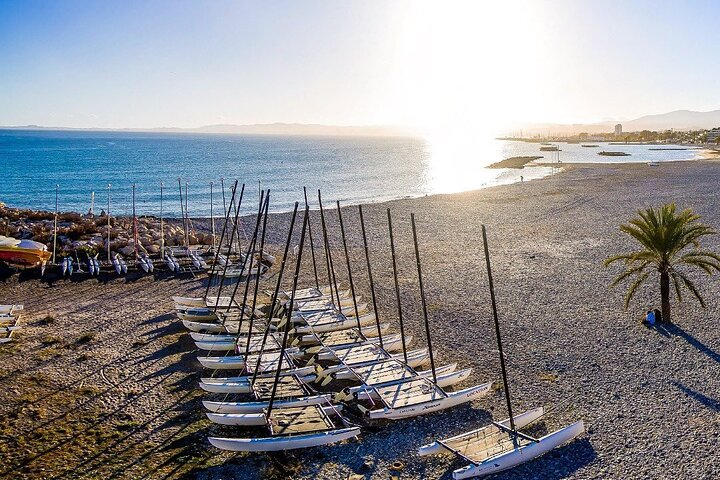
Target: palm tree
[{"x": 669, "y": 241}]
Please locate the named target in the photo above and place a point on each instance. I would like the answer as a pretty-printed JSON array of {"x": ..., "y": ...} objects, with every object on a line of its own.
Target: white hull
[
  {"x": 453, "y": 399},
  {"x": 218, "y": 346},
  {"x": 8, "y": 309},
  {"x": 258, "y": 407},
  {"x": 195, "y": 314},
  {"x": 247, "y": 378},
  {"x": 521, "y": 421},
  {"x": 234, "y": 362},
  {"x": 443, "y": 380},
  {"x": 516, "y": 456},
  {"x": 368, "y": 331},
  {"x": 415, "y": 359},
  {"x": 349, "y": 322},
  {"x": 204, "y": 326},
  {"x": 253, "y": 419},
  {"x": 392, "y": 343},
  {"x": 274, "y": 444}
]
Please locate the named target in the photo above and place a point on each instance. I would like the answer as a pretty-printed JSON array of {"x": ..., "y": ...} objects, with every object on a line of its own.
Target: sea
[{"x": 80, "y": 170}]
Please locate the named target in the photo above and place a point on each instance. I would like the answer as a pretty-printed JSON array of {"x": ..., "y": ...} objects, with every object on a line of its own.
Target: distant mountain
[
  {"x": 677, "y": 120},
  {"x": 254, "y": 129}
]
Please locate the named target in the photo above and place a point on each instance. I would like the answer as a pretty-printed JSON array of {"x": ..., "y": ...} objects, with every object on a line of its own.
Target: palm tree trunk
[{"x": 665, "y": 296}]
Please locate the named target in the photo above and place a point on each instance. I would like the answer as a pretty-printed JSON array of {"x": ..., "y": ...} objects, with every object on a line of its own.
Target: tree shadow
[
  {"x": 697, "y": 344},
  {"x": 708, "y": 402}
]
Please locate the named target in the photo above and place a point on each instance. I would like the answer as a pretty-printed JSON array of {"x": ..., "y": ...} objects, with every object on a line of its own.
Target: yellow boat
[{"x": 23, "y": 253}]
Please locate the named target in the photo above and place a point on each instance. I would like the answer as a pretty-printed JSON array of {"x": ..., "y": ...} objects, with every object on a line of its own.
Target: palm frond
[
  {"x": 676, "y": 284},
  {"x": 691, "y": 286},
  {"x": 629, "y": 272},
  {"x": 633, "y": 288}
]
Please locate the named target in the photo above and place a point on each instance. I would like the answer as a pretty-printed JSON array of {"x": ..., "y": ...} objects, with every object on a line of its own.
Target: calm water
[{"x": 352, "y": 170}]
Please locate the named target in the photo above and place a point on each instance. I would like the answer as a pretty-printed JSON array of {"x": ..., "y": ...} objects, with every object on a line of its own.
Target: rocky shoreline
[{"x": 89, "y": 233}]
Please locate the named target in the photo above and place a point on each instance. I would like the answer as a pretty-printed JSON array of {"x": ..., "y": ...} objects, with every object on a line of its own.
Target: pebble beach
[{"x": 102, "y": 381}]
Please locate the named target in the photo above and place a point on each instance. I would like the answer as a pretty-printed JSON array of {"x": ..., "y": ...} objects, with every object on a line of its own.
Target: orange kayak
[{"x": 23, "y": 253}]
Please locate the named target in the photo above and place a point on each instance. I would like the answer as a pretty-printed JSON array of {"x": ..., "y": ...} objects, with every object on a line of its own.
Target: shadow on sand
[
  {"x": 677, "y": 331},
  {"x": 708, "y": 402}
]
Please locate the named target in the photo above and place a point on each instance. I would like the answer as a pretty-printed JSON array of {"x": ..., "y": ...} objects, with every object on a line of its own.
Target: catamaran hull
[
  {"x": 367, "y": 331},
  {"x": 247, "y": 378},
  {"x": 254, "y": 419},
  {"x": 258, "y": 407},
  {"x": 391, "y": 344},
  {"x": 521, "y": 455},
  {"x": 447, "y": 380},
  {"x": 521, "y": 421},
  {"x": 275, "y": 444},
  {"x": 453, "y": 399},
  {"x": 199, "y": 315},
  {"x": 350, "y": 322},
  {"x": 235, "y": 362},
  {"x": 415, "y": 359},
  {"x": 204, "y": 326}
]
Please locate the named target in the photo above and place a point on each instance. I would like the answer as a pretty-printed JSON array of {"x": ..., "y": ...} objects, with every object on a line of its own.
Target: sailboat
[
  {"x": 500, "y": 445},
  {"x": 292, "y": 426}
]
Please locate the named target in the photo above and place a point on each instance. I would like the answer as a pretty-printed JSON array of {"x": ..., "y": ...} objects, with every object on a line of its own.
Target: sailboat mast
[
  {"x": 370, "y": 277},
  {"x": 397, "y": 286},
  {"x": 135, "y": 229},
  {"x": 328, "y": 252},
  {"x": 250, "y": 252},
  {"x": 312, "y": 245},
  {"x": 349, "y": 269},
  {"x": 230, "y": 242},
  {"x": 257, "y": 277},
  {"x": 422, "y": 297},
  {"x": 288, "y": 323},
  {"x": 182, "y": 211},
  {"x": 162, "y": 225},
  {"x": 212, "y": 217},
  {"x": 108, "y": 232},
  {"x": 497, "y": 333},
  {"x": 214, "y": 270},
  {"x": 57, "y": 188},
  {"x": 276, "y": 292}
]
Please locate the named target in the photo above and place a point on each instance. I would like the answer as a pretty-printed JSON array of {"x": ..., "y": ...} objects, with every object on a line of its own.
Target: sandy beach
[{"x": 102, "y": 381}]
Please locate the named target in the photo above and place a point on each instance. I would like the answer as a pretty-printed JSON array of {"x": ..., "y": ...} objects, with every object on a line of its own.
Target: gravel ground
[{"x": 105, "y": 388}]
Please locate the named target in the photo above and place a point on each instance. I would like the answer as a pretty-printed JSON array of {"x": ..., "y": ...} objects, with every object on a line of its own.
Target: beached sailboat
[
  {"x": 293, "y": 426},
  {"x": 501, "y": 445}
]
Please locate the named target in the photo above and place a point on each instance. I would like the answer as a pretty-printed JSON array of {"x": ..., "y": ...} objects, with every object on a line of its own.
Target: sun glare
[{"x": 465, "y": 69}]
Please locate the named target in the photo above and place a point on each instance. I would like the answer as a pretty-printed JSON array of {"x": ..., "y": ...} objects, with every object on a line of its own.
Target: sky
[{"x": 441, "y": 66}]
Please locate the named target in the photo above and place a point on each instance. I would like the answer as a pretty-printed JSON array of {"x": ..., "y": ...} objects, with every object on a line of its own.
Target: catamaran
[
  {"x": 298, "y": 423},
  {"x": 501, "y": 445}
]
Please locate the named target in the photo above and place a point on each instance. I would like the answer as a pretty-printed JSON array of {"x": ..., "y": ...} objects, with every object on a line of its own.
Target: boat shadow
[{"x": 161, "y": 318}]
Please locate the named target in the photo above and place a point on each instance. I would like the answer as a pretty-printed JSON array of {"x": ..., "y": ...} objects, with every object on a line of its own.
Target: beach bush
[{"x": 669, "y": 244}]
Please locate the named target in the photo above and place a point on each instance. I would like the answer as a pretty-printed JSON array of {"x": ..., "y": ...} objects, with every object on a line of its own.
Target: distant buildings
[
  {"x": 713, "y": 135},
  {"x": 618, "y": 129}
]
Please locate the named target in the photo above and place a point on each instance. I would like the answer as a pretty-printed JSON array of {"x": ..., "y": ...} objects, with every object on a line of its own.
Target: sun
[{"x": 463, "y": 72}]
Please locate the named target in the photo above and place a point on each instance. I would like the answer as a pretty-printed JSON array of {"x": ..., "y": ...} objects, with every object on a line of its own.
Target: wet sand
[{"x": 106, "y": 388}]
